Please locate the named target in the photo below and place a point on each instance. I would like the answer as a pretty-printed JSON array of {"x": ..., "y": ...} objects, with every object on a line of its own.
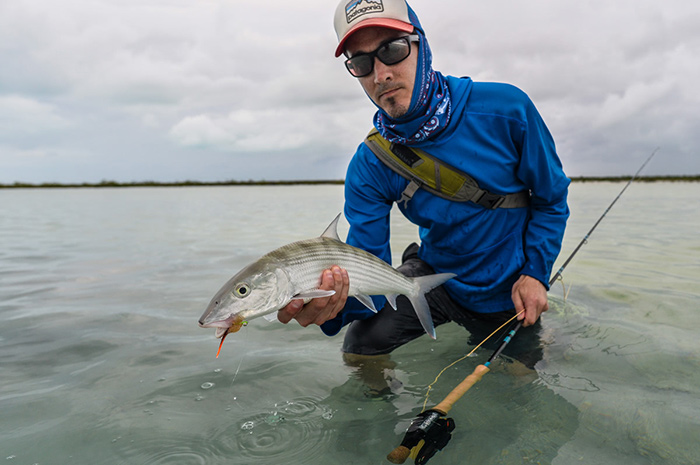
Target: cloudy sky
[{"x": 210, "y": 90}]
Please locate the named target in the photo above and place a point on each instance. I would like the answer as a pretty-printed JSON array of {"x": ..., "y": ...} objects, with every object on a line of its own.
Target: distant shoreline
[{"x": 105, "y": 183}]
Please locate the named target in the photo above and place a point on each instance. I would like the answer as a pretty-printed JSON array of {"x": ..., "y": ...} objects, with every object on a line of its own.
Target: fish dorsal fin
[{"x": 331, "y": 231}]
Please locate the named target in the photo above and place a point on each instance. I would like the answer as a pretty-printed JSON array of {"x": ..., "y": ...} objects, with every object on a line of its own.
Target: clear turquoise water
[{"x": 102, "y": 362}]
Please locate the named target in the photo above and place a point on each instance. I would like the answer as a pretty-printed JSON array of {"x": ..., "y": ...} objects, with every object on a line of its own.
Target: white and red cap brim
[{"x": 372, "y": 22}]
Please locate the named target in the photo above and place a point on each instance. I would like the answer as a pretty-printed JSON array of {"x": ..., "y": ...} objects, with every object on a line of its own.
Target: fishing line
[
  {"x": 430, "y": 386},
  {"x": 237, "y": 370},
  {"x": 239, "y": 363}
]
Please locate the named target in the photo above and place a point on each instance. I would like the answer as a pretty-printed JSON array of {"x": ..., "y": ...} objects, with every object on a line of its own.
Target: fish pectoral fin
[
  {"x": 366, "y": 301},
  {"x": 391, "y": 298},
  {"x": 313, "y": 294},
  {"x": 271, "y": 317}
]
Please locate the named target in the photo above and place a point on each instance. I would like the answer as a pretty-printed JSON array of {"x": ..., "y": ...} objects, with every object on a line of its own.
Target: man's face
[{"x": 390, "y": 87}]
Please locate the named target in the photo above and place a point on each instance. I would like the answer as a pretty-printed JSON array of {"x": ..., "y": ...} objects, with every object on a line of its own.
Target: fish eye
[{"x": 242, "y": 290}]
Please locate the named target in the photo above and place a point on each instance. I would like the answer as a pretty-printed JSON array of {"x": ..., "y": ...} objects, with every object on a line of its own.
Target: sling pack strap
[{"x": 435, "y": 176}]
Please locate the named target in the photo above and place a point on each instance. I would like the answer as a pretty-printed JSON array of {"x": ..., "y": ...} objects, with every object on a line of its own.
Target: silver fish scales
[
  {"x": 306, "y": 260},
  {"x": 293, "y": 271}
]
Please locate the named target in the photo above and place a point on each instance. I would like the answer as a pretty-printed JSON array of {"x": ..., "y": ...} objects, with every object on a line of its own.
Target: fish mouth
[
  {"x": 229, "y": 325},
  {"x": 223, "y": 327}
]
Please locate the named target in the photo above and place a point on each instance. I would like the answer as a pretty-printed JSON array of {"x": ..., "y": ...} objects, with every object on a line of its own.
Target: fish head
[{"x": 257, "y": 290}]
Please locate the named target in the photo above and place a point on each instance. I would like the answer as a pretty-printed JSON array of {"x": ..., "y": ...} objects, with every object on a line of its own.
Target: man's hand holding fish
[{"x": 318, "y": 311}]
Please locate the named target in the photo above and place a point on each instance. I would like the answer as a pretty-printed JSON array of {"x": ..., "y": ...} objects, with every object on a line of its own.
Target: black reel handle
[{"x": 429, "y": 433}]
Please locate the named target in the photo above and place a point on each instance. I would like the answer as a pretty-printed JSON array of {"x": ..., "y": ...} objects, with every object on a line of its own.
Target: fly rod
[{"x": 431, "y": 430}]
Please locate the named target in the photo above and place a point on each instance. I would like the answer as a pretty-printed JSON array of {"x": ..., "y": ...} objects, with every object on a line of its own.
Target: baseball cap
[{"x": 353, "y": 15}]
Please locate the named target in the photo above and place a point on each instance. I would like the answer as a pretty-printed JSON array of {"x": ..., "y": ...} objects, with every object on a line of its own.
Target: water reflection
[{"x": 508, "y": 417}]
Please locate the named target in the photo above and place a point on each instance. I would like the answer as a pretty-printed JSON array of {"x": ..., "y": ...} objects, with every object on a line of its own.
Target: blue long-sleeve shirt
[{"x": 497, "y": 136}]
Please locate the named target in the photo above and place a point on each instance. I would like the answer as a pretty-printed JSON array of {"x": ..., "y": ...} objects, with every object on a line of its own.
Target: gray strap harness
[{"x": 437, "y": 177}]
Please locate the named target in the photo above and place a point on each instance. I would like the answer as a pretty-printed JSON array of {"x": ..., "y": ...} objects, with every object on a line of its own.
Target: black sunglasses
[{"x": 390, "y": 53}]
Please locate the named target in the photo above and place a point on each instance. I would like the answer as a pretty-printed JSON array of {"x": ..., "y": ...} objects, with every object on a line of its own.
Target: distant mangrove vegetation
[{"x": 108, "y": 183}]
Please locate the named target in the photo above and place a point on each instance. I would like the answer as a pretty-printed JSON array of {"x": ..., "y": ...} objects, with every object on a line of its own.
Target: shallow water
[{"x": 102, "y": 362}]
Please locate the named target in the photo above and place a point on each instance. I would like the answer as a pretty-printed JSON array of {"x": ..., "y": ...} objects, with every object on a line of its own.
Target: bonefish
[{"x": 292, "y": 272}]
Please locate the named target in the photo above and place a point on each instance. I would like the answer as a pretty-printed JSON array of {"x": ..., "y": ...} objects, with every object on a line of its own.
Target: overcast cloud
[{"x": 210, "y": 90}]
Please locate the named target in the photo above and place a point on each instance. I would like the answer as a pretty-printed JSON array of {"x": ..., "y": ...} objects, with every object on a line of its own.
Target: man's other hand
[{"x": 530, "y": 295}]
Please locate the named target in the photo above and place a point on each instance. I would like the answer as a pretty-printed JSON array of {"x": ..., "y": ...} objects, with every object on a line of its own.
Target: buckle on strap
[
  {"x": 489, "y": 200},
  {"x": 407, "y": 193}
]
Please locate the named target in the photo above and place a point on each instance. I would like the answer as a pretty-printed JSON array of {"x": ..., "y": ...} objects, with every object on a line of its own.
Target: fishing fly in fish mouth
[{"x": 291, "y": 272}]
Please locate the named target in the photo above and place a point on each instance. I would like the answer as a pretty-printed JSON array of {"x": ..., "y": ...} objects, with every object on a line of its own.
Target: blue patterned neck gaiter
[{"x": 431, "y": 104}]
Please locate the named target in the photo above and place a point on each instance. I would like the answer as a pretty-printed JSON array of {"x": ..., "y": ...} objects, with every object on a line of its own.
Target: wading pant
[{"x": 389, "y": 329}]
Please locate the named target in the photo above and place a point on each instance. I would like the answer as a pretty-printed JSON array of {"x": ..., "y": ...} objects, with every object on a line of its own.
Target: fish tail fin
[{"x": 419, "y": 302}]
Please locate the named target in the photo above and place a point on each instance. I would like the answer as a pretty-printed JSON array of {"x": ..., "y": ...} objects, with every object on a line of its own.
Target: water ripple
[
  {"x": 294, "y": 431},
  {"x": 572, "y": 383},
  {"x": 164, "y": 451}
]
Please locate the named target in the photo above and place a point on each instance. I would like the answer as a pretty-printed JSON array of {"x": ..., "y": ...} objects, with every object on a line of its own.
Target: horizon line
[{"x": 191, "y": 183}]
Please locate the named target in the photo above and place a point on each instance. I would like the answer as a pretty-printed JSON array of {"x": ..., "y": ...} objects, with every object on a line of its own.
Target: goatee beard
[
  {"x": 394, "y": 109},
  {"x": 391, "y": 107}
]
